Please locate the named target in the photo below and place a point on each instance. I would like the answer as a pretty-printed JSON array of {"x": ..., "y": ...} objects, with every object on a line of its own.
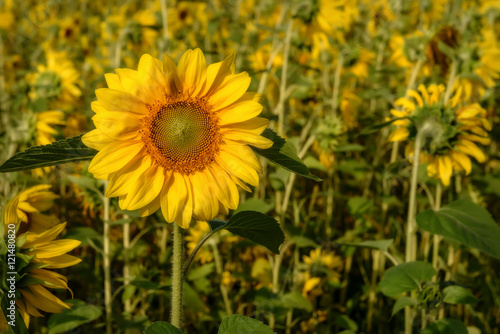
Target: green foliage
[
  {"x": 162, "y": 327},
  {"x": 238, "y": 324},
  {"x": 59, "y": 152},
  {"x": 405, "y": 277},
  {"x": 445, "y": 326},
  {"x": 402, "y": 302},
  {"x": 79, "y": 314},
  {"x": 455, "y": 294},
  {"x": 465, "y": 222},
  {"x": 282, "y": 154}
]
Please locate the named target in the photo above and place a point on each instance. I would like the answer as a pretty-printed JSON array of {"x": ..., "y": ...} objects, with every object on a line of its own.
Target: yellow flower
[
  {"x": 319, "y": 257},
  {"x": 57, "y": 79},
  {"x": 43, "y": 253},
  {"x": 457, "y": 129},
  {"x": 31, "y": 202},
  {"x": 199, "y": 230},
  {"x": 359, "y": 62},
  {"x": 177, "y": 137},
  {"x": 44, "y": 122}
]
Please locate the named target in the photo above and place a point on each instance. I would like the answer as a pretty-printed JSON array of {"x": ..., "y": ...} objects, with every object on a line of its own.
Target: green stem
[
  {"x": 436, "y": 238},
  {"x": 219, "y": 268},
  {"x": 107, "y": 263},
  {"x": 411, "y": 226},
  {"x": 336, "y": 84},
  {"x": 177, "y": 277}
]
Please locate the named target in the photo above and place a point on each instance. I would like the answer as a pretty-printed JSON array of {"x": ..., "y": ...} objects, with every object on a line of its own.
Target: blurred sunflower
[
  {"x": 320, "y": 265},
  {"x": 177, "y": 137},
  {"x": 456, "y": 130},
  {"x": 197, "y": 232},
  {"x": 327, "y": 132},
  {"x": 35, "y": 254},
  {"x": 44, "y": 122},
  {"x": 487, "y": 69},
  {"x": 31, "y": 203},
  {"x": 58, "y": 79}
]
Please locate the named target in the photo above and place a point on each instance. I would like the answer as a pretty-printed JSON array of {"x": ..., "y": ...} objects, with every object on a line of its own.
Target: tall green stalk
[{"x": 177, "y": 277}]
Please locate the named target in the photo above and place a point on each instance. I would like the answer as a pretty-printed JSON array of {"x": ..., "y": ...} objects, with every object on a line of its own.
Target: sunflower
[
  {"x": 320, "y": 265},
  {"x": 44, "y": 122},
  {"x": 31, "y": 203},
  {"x": 456, "y": 130},
  {"x": 36, "y": 253},
  {"x": 59, "y": 79},
  {"x": 177, "y": 137}
]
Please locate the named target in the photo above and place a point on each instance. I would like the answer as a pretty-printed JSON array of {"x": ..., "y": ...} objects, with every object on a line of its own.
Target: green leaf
[
  {"x": 282, "y": 154},
  {"x": 405, "y": 277},
  {"x": 465, "y": 222},
  {"x": 254, "y": 204},
  {"x": 238, "y": 324},
  {"x": 59, "y": 152},
  {"x": 382, "y": 245},
  {"x": 201, "y": 271},
  {"x": 402, "y": 302},
  {"x": 301, "y": 241},
  {"x": 445, "y": 326},
  {"x": 296, "y": 300},
  {"x": 455, "y": 294},
  {"x": 257, "y": 227},
  {"x": 162, "y": 327},
  {"x": 216, "y": 224},
  {"x": 349, "y": 148},
  {"x": 79, "y": 314},
  {"x": 376, "y": 127},
  {"x": 313, "y": 163}
]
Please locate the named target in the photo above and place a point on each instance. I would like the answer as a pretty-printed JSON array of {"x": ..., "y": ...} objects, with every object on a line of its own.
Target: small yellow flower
[
  {"x": 197, "y": 232},
  {"x": 458, "y": 128},
  {"x": 44, "y": 122},
  {"x": 31, "y": 203}
]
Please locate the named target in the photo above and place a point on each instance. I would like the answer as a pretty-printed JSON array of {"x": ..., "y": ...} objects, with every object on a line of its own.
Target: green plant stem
[
  {"x": 411, "y": 226},
  {"x": 219, "y": 270},
  {"x": 336, "y": 83},
  {"x": 436, "y": 238},
  {"x": 107, "y": 263},
  {"x": 177, "y": 277},
  {"x": 280, "y": 108},
  {"x": 126, "y": 268}
]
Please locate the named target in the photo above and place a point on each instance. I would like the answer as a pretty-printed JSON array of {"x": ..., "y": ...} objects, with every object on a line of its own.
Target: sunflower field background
[{"x": 391, "y": 105}]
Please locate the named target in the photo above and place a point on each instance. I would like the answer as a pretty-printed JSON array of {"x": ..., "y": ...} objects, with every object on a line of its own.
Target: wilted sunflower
[
  {"x": 31, "y": 203},
  {"x": 35, "y": 254},
  {"x": 177, "y": 137},
  {"x": 456, "y": 130}
]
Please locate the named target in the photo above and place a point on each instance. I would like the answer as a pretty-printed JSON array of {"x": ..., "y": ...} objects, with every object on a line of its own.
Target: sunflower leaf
[
  {"x": 405, "y": 277},
  {"x": 465, "y": 222},
  {"x": 238, "y": 324},
  {"x": 282, "y": 154},
  {"x": 257, "y": 227},
  {"x": 161, "y": 327},
  {"x": 59, "y": 152}
]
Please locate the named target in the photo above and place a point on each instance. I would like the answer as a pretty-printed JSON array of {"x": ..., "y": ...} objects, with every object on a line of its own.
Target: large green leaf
[
  {"x": 405, "y": 277},
  {"x": 162, "y": 327},
  {"x": 402, "y": 302},
  {"x": 282, "y": 154},
  {"x": 79, "y": 314},
  {"x": 465, "y": 222},
  {"x": 238, "y": 324},
  {"x": 257, "y": 227},
  {"x": 445, "y": 326},
  {"x": 455, "y": 294},
  {"x": 59, "y": 152}
]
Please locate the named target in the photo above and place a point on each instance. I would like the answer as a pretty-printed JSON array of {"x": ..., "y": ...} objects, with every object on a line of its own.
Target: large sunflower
[{"x": 177, "y": 137}]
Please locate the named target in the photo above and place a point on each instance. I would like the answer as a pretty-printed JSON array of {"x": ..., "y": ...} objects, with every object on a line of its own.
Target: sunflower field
[{"x": 250, "y": 166}]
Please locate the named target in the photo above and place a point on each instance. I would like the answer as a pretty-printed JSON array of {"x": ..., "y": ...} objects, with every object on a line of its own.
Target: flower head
[
  {"x": 31, "y": 203},
  {"x": 177, "y": 137},
  {"x": 456, "y": 130},
  {"x": 36, "y": 253}
]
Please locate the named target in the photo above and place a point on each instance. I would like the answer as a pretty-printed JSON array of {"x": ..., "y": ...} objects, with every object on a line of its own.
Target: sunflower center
[{"x": 182, "y": 136}]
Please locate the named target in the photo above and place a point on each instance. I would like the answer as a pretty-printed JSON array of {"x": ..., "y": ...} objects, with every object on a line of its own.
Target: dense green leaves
[
  {"x": 455, "y": 294},
  {"x": 382, "y": 245},
  {"x": 162, "y": 327},
  {"x": 445, "y": 326},
  {"x": 238, "y": 324},
  {"x": 402, "y": 302},
  {"x": 405, "y": 277},
  {"x": 59, "y": 152},
  {"x": 282, "y": 154},
  {"x": 79, "y": 314},
  {"x": 465, "y": 222}
]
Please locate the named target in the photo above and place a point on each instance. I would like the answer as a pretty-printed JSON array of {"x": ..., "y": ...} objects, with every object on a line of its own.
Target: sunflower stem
[
  {"x": 436, "y": 238},
  {"x": 336, "y": 84},
  {"x": 177, "y": 277},
  {"x": 107, "y": 263},
  {"x": 411, "y": 226}
]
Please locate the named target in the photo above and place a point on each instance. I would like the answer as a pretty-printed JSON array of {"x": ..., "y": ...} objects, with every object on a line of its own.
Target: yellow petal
[
  {"x": 445, "y": 170},
  {"x": 113, "y": 157},
  {"x": 240, "y": 112},
  {"x": 54, "y": 248},
  {"x": 118, "y": 125},
  {"x": 61, "y": 261},
  {"x": 227, "y": 186},
  {"x": 174, "y": 84},
  {"x": 462, "y": 160},
  {"x": 231, "y": 89},
  {"x": 192, "y": 69},
  {"x": 96, "y": 139},
  {"x": 399, "y": 134},
  {"x": 121, "y": 181},
  {"x": 173, "y": 197},
  {"x": 145, "y": 189},
  {"x": 205, "y": 204},
  {"x": 216, "y": 73},
  {"x": 113, "y": 81},
  {"x": 42, "y": 299},
  {"x": 470, "y": 148},
  {"x": 117, "y": 100},
  {"x": 236, "y": 167},
  {"x": 47, "y": 236}
]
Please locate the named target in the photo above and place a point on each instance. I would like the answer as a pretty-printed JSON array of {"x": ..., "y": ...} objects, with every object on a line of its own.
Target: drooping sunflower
[
  {"x": 44, "y": 122},
  {"x": 457, "y": 127},
  {"x": 177, "y": 137},
  {"x": 36, "y": 253},
  {"x": 31, "y": 203}
]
